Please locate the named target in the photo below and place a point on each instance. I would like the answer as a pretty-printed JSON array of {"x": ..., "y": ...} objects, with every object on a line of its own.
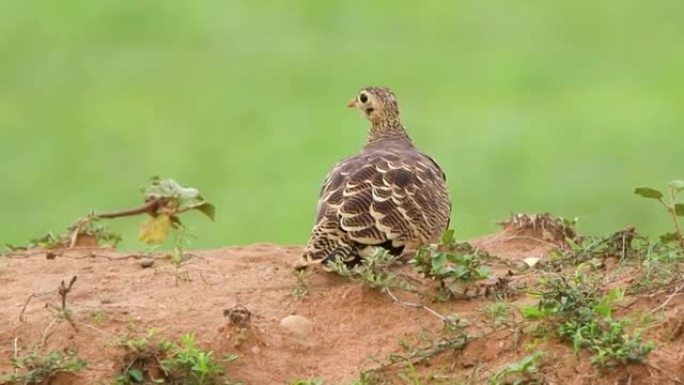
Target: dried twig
[
  {"x": 47, "y": 333},
  {"x": 676, "y": 292},
  {"x": 23, "y": 308},
  {"x": 415, "y": 305},
  {"x": 663, "y": 372},
  {"x": 64, "y": 290}
]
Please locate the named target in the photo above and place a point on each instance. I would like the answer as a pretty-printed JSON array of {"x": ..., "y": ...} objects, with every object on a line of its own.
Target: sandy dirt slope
[{"x": 115, "y": 297}]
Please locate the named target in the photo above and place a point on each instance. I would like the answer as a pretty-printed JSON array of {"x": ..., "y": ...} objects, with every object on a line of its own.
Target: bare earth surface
[{"x": 115, "y": 297}]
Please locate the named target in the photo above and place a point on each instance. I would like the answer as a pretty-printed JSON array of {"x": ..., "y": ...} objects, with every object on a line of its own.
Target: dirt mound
[{"x": 351, "y": 327}]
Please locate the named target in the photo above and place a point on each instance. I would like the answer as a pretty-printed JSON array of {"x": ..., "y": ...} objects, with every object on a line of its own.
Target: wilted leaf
[
  {"x": 677, "y": 184},
  {"x": 155, "y": 230},
  {"x": 531, "y": 261},
  {"x": 679, "y": 209},
  {"x": 669, "y": 237},
  {"x": 206, "y": 208},
  {"x": 648, "y": 192}
]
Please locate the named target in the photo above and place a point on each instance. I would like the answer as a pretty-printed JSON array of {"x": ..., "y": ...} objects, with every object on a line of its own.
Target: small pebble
[
  {"x": 297, "y": 325},
  {"x": 146, "y": 262}
]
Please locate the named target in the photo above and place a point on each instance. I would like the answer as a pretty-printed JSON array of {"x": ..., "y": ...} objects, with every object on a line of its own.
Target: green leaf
[
  {"x": 532, "y": 312},
  {"x": 669, "y": 237},
  {"x": 603, "y": 309},
  {"x": 438, "y": 261},
  {"x": 677, "y": 184},
  {"x": 448, "y": 237},
  {"x": 136, "y": 375},
  {"x": 679, "y": 209},
  {"x": 207, "y": 209},
  {"x": 648, "y": 192}
]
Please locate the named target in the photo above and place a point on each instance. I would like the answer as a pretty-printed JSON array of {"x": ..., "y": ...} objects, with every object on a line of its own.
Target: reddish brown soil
[{"x": 115, "y": 297}]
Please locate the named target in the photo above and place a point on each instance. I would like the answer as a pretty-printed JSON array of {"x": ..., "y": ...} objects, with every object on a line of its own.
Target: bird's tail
[{"x": 329, "y": 242}]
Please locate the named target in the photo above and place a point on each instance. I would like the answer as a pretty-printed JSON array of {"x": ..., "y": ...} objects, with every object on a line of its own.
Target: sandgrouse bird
[{"x": 389, "y": 195}]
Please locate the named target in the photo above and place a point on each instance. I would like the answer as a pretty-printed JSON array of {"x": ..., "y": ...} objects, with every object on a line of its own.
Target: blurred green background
[{"x": 528, "y": 106}]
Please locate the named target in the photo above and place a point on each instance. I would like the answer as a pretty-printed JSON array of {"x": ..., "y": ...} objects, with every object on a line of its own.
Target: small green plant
[
  {"x": 368, "y": 377},
  {"x": 149, "y": 359},
  {"x": 673, "y": 208},
  {"x": 625, "y": 244},
  {"x": 165, "y": 200},
  {"x": 191, "y": 365},
  {"x": 301, "y": 288},
  {"x": 97, "y": 317},
  {"x": 179, "y": 257},
  {"x": 525, "y": 371},
  {"x": 142, "y": 358},
  {"x": 661, "y": 265},
  {"x": 90, "y": 231},
  {"x": 499, "y": 313},
  {"x": 576, "y": 311},
  {"x": 34, "y": 368},
  {"x": 426, "y": 345},
  {"x": 373, "y": 271},
  {"x": 47, "y": 241},
  {"x": 455, "y": 265}
]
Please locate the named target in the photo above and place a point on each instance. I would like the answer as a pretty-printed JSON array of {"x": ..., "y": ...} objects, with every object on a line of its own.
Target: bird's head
[{"x": 378, "y": 104}]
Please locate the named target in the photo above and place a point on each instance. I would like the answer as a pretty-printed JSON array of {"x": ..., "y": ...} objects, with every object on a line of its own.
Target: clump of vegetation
[
  {"x": 368, "y": 377},
  {"x": 673, "y": 208},
  {"x": 35, "y": 368},
  {"x": 454, "y": 265},
  {"x": 547, "y": 227},
  {"x": 621, "y": 244},
  {"x": 499, "y": 313},
  {"x": 150, "y": 360},
  {"x": 164, "y": 201},
  {"x": 661, "y": 266},
  {"x": 142, "y": 358},
  {"x": 188, "y": 364},
  {"x": 301, "y": 288},
  {"x": 373, "y": 271},
  {"x": 577, "y": 311},
  {"x": 86, "y": 231},
  {"x": 525, "y": 371}
]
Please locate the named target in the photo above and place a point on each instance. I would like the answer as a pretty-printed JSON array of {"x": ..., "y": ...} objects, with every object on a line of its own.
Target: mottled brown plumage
[{"x": 389, "y": 195}]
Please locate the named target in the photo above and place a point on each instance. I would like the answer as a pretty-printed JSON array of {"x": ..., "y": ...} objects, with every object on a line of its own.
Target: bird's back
[{"x": 390, "y": 194}]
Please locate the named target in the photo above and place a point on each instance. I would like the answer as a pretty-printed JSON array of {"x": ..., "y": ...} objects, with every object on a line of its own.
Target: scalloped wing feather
[{"x": 380, "y": 197}]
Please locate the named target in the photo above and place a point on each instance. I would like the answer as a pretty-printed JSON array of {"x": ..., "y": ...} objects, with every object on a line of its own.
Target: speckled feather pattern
[{"x": 390, "y": 194}]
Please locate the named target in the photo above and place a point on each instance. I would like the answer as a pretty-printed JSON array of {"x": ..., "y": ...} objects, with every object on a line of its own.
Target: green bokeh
[{"x": 528, "y": 106}]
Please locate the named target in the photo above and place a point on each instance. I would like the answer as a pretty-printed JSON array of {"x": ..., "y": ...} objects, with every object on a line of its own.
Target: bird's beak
[{"x": 352, "y": 103}]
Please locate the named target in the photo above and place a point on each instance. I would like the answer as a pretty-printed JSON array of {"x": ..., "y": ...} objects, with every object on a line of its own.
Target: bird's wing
[{"x": 384, "y": 196}]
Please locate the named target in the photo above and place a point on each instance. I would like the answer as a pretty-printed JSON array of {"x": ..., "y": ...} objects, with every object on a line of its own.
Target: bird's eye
[{"x": 363, "y": 98}]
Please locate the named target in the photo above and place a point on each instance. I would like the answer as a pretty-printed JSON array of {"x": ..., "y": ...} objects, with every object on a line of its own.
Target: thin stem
[
  {"x": 149, "y": 208},
  {"x": 673, "y": 215}
]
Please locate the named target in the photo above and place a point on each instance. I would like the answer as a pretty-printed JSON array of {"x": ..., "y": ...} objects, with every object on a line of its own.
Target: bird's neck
[{"x": 387, "y": 129}]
